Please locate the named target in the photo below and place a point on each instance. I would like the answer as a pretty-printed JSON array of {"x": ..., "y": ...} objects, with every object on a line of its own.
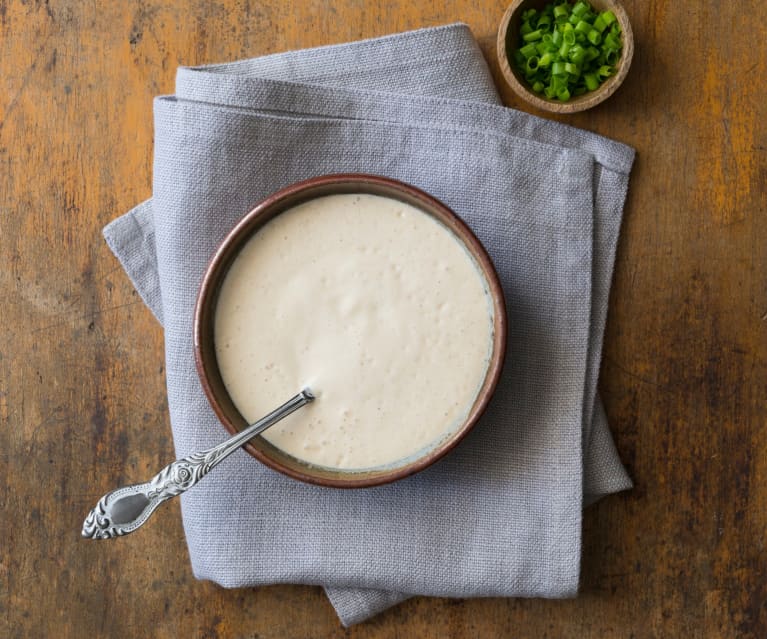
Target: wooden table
[{"x": 82, "y": 396}]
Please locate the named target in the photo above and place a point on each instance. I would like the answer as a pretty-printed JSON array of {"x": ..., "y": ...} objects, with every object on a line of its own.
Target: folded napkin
[{"x": 499, "y": 516}]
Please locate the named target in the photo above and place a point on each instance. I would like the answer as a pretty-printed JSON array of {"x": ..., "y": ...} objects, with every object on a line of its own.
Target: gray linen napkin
[{"x": 501, "y": 515}]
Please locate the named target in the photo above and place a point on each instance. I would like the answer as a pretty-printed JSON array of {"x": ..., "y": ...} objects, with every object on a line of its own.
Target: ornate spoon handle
[{"x": 124, "y": 510}]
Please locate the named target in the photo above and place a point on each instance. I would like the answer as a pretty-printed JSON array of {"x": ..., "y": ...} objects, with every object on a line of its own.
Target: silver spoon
[{"x": 124, "y": 510}]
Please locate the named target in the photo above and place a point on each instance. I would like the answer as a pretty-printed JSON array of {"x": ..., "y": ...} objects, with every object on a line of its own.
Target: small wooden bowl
[
  {"x": 205, "y": 355},
  {"x": 508, "y": 34}
]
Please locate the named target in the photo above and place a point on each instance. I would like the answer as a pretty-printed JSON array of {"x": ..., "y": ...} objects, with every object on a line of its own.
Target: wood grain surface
[{"x": 82, "y": 397}]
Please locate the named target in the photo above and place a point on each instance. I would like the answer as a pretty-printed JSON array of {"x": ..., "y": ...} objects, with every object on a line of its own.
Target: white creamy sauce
[{"x": 372, "y": 304}]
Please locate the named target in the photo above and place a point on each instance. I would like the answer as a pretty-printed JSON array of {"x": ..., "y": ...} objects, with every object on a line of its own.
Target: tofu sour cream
[{"x": 374, "y": 305}]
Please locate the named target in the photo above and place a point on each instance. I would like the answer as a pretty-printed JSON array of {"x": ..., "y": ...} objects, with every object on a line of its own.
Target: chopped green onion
[
  {"x": 577, "y": 54},
  {"x": 532, "y": 36},
  {"x": 600, "y": 24},
  {"x": 528, "y": 51},
  {"x": 608, "y": 17},
  {"x": 612, "y": 42},
  {"x": 572, "y": 69},
  {"x": 591, "y": 80},
  {"x": 580, "y": 8},
  {"x": 566, "y": 49},
  {"x": 604, "y": 71},
  {"x": 592, "y": 53}
]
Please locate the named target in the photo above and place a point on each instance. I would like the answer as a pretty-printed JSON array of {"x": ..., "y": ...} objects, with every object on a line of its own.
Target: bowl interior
[
  {"x": 508, "y": 40},
  {"x": 205, "y": 355}
]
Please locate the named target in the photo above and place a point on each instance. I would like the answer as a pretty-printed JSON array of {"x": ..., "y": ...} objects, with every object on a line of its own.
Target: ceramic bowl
[
  {"x": 205, "y": 356},
  {"x": 508, "y": 35}
]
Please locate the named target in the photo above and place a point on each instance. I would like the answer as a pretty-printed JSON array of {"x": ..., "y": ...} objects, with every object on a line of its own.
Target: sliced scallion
[
  {"x": 594, "y": 36},
  {"x": 567, "y": 49},
  {"x": 528, "y": 51},
  {"x": 533, "y": 36}
]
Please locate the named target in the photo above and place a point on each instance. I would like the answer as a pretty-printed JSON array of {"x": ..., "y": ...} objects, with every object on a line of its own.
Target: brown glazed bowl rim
[
  {"x": 217, "y": 268},
  {"x": 578, "y": 103}
]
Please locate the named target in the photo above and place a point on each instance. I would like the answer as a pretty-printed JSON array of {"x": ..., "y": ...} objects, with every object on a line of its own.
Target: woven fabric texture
[{"x": 499, "y": 516}]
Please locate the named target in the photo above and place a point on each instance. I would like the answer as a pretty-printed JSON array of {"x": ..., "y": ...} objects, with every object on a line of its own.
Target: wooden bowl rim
[
  {"x": 581, "y": 102},
  {"x": 249, "y": 224}
]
